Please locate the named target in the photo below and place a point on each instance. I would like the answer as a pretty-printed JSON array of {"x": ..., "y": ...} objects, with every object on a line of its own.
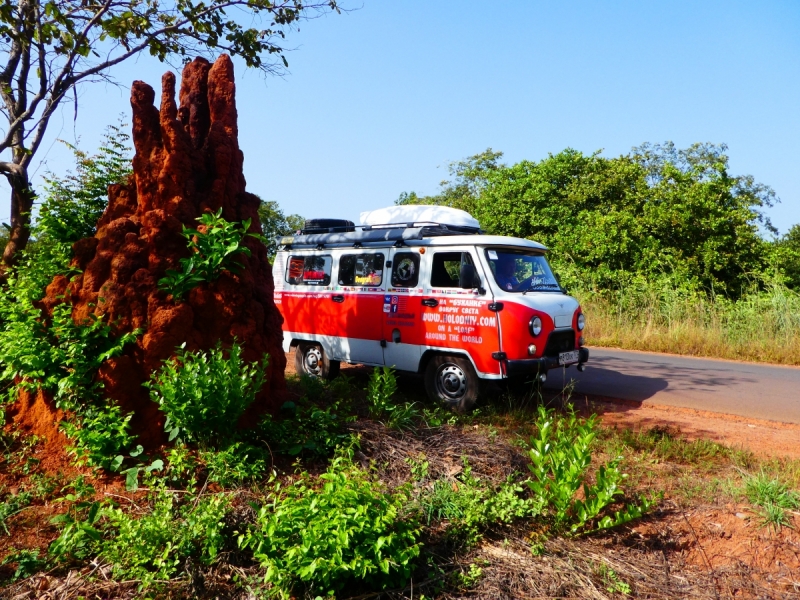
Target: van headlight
[
  {"x": 581, "y": 322},
  {"x": 535, "y": 326}
]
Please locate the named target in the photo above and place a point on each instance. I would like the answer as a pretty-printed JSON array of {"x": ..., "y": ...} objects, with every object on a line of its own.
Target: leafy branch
[{"x": 215, "y": 246}]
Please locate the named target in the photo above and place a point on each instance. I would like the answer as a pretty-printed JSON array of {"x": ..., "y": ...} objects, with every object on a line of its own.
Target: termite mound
[{"x": 187, "y": 161}]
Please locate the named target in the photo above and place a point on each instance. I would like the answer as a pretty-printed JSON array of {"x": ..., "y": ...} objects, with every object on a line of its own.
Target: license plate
[{"x": 567, "y": 358}]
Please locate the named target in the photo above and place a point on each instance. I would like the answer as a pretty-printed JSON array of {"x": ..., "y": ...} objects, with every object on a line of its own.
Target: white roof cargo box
[{"x": 419, "y": 213}]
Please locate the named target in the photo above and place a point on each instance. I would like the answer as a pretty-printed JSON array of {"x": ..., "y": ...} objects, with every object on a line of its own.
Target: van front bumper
[{"x": 527, "y": 367}]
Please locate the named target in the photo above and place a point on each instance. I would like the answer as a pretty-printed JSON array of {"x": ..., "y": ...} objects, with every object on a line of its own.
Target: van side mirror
[{"x": 468, "y": 277}]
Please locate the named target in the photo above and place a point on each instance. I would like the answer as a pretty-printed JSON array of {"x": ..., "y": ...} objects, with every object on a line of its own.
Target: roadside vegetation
[
  {"x": 513, "y": 500},
  {"x": 761, "y": 325},
  {"x": 665, "y": 248}
]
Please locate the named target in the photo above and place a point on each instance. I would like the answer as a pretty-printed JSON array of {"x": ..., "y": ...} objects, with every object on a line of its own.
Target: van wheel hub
[
  {"x": 452, "y": 382},
  {"x": 313, "y": 361}
]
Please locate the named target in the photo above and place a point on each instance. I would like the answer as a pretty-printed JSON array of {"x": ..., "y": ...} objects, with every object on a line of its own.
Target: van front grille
[{"x": 560, "y": 341}]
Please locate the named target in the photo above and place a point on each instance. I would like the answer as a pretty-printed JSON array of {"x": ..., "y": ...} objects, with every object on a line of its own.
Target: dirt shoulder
[{"x": 764, "y": 438}]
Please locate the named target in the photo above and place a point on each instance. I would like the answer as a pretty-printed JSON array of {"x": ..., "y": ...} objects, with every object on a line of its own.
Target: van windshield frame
[{"x": 530, "y": 273}]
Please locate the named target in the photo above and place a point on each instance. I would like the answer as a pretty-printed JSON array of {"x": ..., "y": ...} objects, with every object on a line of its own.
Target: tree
[
  {"x": 655, "y": 212},
  {"x": 51, "y": 47},
  {"x": 468, "y": 179},
  {"x": 75, "y": 202},
  {"x": 275, "y": 224},
  {"x": 788, "y": 253}
]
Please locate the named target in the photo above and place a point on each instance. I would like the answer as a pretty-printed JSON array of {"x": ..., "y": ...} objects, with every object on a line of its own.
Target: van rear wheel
[
  {"x": 452, "y": 381},
  {"x": 311, "y": 360}
]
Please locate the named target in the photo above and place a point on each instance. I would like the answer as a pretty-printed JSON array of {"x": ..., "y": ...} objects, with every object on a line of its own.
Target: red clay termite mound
[{"x": 187, "y": 162}]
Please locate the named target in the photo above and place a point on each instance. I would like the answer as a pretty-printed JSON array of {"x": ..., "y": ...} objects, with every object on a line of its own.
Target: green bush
[
  {"x": 74, "y": 203},
  {"x": 27, "y": 561},
  {"x": 237, "y": 463},
  {"x": 329, "y": 530},
  {"x": 203, "y": 394},
  {"x": 381, "y": 389},
  {"x": 151, "y": 540},
  {"x": 62, "y": 358},
  {"x": 215, "y": 246},
  {"x": 560, "y": 455},
  {"x": 12, "y": 505},
  {"x": 56, "y": 354},
  {"x": 303, "y": 430},
  {"x": 155, "y": 546},
  {"x": 471, "y": 505}
]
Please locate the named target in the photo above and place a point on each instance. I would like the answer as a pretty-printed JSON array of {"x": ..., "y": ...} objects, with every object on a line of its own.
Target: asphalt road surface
[{"x": 750, "y": 390}]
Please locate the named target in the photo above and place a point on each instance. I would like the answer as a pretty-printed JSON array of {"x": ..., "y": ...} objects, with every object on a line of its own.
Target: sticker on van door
[{"x": 397, "y": 307}]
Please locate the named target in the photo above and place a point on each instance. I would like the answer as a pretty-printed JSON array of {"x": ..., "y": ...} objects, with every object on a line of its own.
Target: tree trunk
[{"x": 21, "y": 205}]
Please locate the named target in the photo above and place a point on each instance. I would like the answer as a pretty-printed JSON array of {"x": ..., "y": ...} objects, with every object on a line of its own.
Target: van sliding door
[
  {"x": 402, "y": 325},
  {"x": 358, "y": 296}
]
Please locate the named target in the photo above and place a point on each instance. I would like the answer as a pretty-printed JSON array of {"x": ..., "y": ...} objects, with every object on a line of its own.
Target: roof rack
[{"x": 374, "y": 235}]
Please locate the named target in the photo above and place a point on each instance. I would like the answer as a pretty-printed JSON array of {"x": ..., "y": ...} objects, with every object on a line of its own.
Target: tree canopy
[
  {"x": 658, "y": 211},
  {"x": 50, "y": 47},
  {"x": 274, "y": 224}
]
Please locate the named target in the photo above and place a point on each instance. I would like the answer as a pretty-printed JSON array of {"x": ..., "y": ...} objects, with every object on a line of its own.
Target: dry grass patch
[{"x": 763, "y": 326}]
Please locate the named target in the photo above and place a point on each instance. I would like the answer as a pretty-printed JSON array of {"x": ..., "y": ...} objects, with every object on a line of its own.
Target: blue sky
[{"x": 381, "y": 99}]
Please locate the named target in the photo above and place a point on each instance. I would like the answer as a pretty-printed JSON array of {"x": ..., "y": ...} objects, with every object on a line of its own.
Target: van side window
[
  {"x": 446, "y": 267},
  {"x": 361, "y": 269},
  {"x": 405, "y": 270},
  {"x": 309, "y": 270}
]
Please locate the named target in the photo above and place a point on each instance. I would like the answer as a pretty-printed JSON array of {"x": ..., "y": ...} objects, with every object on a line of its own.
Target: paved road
[{"x": 745, "y": 389}]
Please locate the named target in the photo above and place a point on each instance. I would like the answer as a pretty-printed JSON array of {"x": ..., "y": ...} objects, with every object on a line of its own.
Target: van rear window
[
  {"x": 361, "y": 269},
  {"x": 309, "y": 270}
]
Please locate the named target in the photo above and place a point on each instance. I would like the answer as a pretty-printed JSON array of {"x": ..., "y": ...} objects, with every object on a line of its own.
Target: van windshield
[{"x": 521, "y": 271}]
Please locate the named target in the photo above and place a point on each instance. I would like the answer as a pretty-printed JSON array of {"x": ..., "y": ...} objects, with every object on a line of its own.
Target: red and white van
[{"x": 422, "y": 289}]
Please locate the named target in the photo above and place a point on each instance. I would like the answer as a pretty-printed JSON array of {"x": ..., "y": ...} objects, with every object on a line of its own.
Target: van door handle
[
  {"x": 430, "y": 302},
  {"x": 337, "y": 298}
]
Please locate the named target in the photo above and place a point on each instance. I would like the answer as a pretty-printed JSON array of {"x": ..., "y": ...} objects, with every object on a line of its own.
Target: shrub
[
  {"x": 203, "y": 394},
  {"x": 560, "y": 457},
  {"x": 156, "y": 546},
  {"x": 326, "y": 531},
  {"x": 214, "y": 246},
  {"x": 57, "y": 354},
  {"x": 74, "y": 203},
  {"x": 12, "y": 505},
  {"x": 80, "y": 536},
  {"x": 63, "y": 357},
  {"x": 310, "y": 431},
  {"x": 27, "y": 561},
  {"x": 235, "y": 464},
  {"x": 381, "y": 389},
  {"x": 471, "y": 505}
]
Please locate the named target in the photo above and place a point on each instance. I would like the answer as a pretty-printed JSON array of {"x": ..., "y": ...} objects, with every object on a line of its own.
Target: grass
[
  {"x": 773, "y": 498},
  {"x": 761, "y": 326}
]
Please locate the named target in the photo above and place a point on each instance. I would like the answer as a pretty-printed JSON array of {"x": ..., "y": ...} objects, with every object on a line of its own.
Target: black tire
[
  {"x": 452, "y": 381},
  {"x": 310, "y": 359}
]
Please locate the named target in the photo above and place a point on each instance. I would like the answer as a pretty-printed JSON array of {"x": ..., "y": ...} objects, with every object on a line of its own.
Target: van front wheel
[
  {"x": 452, "y": 381},
  {"x": 311, "y": 360}
]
